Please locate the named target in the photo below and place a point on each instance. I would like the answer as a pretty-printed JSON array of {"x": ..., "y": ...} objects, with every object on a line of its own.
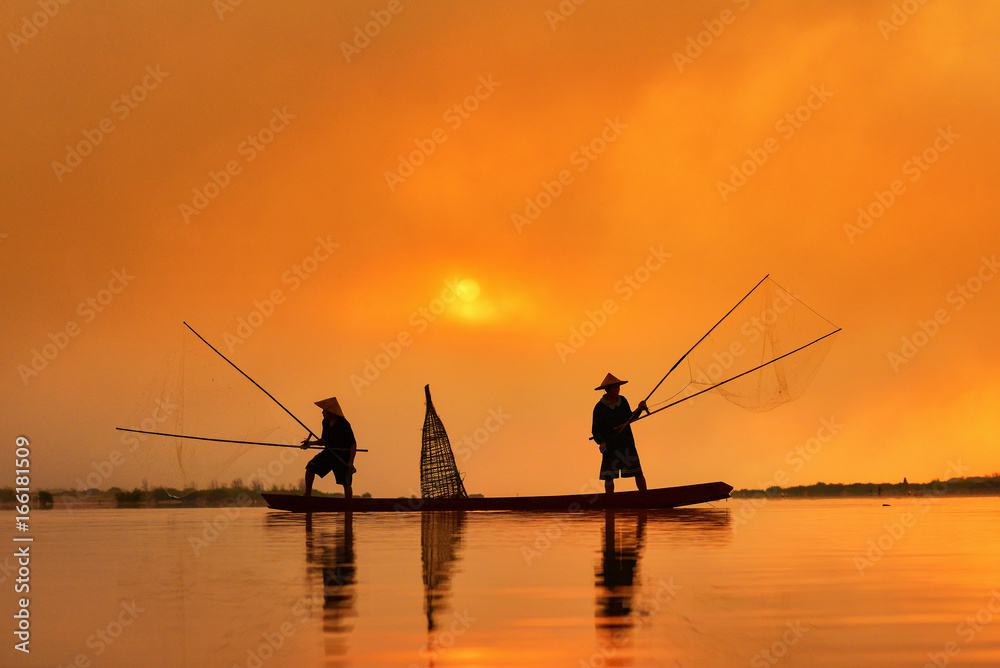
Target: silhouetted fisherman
[
  {"x": 615, "y": 442},
  {"x": 339, "y": 449}
]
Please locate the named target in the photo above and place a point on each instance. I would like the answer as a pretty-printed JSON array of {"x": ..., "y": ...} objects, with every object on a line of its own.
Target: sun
[
  {"x": 471, "y": 307},
  {"x": 467, "y": 289}
]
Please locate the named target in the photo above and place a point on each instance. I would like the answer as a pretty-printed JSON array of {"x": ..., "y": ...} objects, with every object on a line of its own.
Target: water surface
[{"x": 792, "y": 583}]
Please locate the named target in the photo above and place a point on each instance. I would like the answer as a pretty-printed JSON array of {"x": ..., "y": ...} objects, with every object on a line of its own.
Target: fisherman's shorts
[
  {"x": 623, "y": 462},
  {"x": 326, "y": 461}
]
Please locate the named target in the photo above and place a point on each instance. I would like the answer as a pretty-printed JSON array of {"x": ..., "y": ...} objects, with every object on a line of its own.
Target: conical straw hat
[
  {"x": 610, "y": 380},
  {"x": 331, "y": 405}
]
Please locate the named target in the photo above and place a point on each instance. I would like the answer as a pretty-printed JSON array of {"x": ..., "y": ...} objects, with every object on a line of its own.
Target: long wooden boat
[{"x": 665, "y": 497}]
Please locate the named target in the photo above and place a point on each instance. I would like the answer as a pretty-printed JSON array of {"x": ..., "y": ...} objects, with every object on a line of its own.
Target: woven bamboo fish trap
[{"x": 439, "y": 477}]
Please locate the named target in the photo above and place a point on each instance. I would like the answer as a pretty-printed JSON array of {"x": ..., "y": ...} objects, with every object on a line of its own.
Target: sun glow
[
  {"x": 467, "y": 289},
  {"x": 470, "y": 307}
]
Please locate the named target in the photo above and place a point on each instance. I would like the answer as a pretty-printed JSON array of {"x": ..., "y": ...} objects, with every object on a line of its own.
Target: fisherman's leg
[
  {"x": 310, "y": 476},
  {"x": 609, "y": 486},
  {"x": 348, "y": 492},
  {"x": 640, "y": 482}
]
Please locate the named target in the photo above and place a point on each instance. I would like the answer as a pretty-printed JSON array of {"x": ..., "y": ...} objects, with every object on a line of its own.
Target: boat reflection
[
  {"x": 332, "y": 556},
  {"x": 617, "y": 574},
  {"x": 440, "y": 539}
]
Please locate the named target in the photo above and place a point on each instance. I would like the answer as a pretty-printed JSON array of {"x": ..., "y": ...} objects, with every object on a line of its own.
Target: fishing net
[
  {"x": 439, "y": 477},
  {"x": 194, "y": 392},
  {"x": 762, "y": 354}
]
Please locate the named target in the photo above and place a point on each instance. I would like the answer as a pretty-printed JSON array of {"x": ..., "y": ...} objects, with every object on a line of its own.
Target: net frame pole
[
  {"x": 263, "y": 390},
  {"x": 223, "y": 440},
  {"x": 756, "y": 368},
  {"x": 702, "y": 339}
]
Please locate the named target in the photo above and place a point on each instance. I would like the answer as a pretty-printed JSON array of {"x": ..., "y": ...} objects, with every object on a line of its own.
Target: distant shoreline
[
  {"x": 977, "y": 486},
  {"x": 217, "y": 497},
  {"x": 160, "y": 497}
]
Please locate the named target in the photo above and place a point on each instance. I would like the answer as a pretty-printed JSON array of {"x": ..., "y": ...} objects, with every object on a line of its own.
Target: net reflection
[
  {"x": 332, "y": 555},
  {"x": 440, "y": 538},
  {"x": 617, "y": 573}
]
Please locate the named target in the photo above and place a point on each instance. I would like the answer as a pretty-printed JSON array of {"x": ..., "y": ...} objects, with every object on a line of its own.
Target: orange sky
[{"x": 327, "y": 131}]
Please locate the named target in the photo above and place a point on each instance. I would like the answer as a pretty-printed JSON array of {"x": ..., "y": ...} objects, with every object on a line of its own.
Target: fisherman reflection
[
  {"x": 616, "y": 582},
  {"x": 337, "y": 565}
]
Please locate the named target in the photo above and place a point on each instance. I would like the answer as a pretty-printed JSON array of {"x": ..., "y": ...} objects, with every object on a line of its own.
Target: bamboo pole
[
  {"x": 224, "y": 440},
  {"x": 262, "y": 389}
]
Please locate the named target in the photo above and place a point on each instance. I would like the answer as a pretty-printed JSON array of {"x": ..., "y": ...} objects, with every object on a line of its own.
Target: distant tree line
[
  {"x": 976, "y": 486},
  {"x": 215, "y": 495}
]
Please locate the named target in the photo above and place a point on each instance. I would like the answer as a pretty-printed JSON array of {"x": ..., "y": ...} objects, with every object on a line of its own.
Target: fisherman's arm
[
  {"x": 638, "y": 411},
  {"x": 306, "y": 442}
]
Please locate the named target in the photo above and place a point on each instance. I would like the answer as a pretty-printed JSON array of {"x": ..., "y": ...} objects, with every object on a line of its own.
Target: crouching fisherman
[{"x": 339, "y": 449}]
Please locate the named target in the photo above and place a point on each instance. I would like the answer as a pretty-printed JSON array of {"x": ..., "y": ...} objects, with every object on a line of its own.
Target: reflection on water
[
  {"x": 616, "y": 577},
  {"x": 332, "y": 556},
  {"x": 617, "y": 580},
  {"x": 440, "y": 536},
  {"x": 331, "y": 567},
  {"x": 618, "y": 569},
  {"x": 621, "y": 607}
]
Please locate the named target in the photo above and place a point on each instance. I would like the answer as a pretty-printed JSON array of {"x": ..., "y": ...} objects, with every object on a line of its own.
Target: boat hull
[{"x": 665, "y": 497}]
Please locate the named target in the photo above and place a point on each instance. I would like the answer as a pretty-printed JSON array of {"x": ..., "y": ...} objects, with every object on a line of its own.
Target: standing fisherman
[
  {"x": 339, "y": 449},
  {"x": 617, "y": 445}
]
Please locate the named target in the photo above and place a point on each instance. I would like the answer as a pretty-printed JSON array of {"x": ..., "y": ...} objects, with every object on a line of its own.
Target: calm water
[{"x": 793, "y": 583}]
